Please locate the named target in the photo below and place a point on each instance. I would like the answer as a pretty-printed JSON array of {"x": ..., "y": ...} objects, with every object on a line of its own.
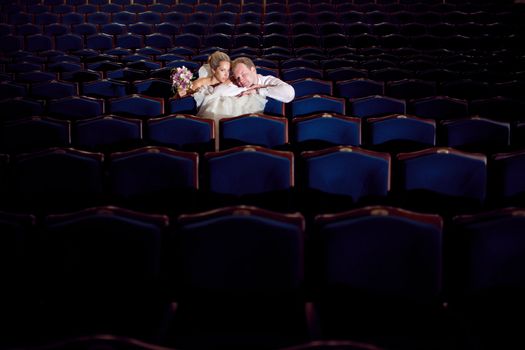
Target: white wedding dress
[{"x": 223, "y": 101}]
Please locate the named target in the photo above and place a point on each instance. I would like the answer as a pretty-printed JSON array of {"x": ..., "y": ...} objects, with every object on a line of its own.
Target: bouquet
[{"x": 181, "y": 80}]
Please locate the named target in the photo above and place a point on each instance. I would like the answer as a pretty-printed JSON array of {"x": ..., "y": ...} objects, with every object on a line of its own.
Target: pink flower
[{"x": 181, "y": 78}]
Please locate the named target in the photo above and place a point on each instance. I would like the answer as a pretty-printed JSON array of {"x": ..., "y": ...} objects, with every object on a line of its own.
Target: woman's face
[{"x": 222, "y": 72}]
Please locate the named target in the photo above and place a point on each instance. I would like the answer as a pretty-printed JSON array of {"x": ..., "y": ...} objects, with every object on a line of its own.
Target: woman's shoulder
[{"x": 201, "y": 82}]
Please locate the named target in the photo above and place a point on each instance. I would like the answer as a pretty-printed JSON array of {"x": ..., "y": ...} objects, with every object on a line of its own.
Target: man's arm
[{"x": 275, "y": 88}]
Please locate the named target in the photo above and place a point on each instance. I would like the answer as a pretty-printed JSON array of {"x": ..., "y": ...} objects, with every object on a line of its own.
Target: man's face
[{"x": 244, "y": 76}]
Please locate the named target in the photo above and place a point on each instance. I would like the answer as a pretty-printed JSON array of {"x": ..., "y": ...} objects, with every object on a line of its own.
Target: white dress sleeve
[
  {"x": 204, "y": 71},
  {"x": 200, "y": 95}
]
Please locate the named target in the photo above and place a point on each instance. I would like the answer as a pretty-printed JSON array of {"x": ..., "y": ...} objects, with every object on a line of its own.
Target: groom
[{"x": 245, "y": 75}]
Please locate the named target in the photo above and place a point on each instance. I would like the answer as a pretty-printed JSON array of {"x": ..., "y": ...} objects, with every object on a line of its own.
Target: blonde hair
[
  {"x": 244, "y": 60},
  {"x": 216, "y": 58}
]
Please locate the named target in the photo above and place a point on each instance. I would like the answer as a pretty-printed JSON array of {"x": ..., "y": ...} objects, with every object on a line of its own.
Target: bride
[{"x": 217, "y": 96}]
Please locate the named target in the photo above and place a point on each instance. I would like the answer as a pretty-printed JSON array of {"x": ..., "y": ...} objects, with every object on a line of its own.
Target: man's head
[{"x": 244, "y": 72}]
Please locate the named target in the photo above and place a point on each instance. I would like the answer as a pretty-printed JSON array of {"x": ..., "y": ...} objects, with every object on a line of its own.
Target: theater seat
[
  {"x": 442, "y": 180},
  {"x": 400, "y": 133},
  {"x": 400, "y": 306},
  {"x": 239, "y": 273},
  {"x": 100, "y": 273},
  {"x": 323, "y": 130},
  {"x": 154, "y": 179},
  {"x": 249, "y": 175},
  {"x": 487, "y": 275},
  {"x": 341, "y": 177},
  {"x": 253, "y": 129},
  {"x": 183, "y": 132},
  {"x": 56, "y": 179}
]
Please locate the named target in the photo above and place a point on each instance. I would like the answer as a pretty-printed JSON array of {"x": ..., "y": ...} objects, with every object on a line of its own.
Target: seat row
[
  {"x": 241, "y": 275},
  {"x": 393, "y": 133},
  {"x": 142, "y": 106},
  {"x": 314, "y": 65},
  {"x": 102, "y": 42},
  {"x": 134, "y": 14},
  {"x": 170, "y": 26},
  {"x": 254, "y": 6},
  {"x": 316, "y": 181},
  {"x": 121, "y": 82}
]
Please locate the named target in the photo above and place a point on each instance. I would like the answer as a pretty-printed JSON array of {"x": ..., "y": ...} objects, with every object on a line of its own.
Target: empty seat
[
  {"x": 35, "y": 133},
  {"x": 253, "y": 129},
  {"x": 183, "y": 105},
  {"x": 498, "y": 107},
  {"x": 74, "y": 108},
  {"x": 183, "y": 132},
  {"x": 488, "y": 280},
  {"x": 466, "y": 89},
  {"x": 476, "y": 134},
  {"x": 84, "y": 29},
  {"x": 403, "y": 251},
  {"x": 246, "y": 39},
  {"x": 10, "y": 89},
  {"x": 107, "y": 133},
  {"x": 317, "y": 103},
  {"x": 223, "y": 303},
  {"x": 438, "y": 108},
  {"x": 325, "y": 129},
  {"x": 400, "y": 133},
  {"x": 129, "y": 41},
  {"x": 389, "y": 73},
  {"x": 275, "y": 39},
  {"x": 290, "y": 74},
  {"x": 340, "y": 177},
  {"x": 505, "y": 182},
  {"x": 53, "y": 90},
  {"x": 150, "y": 17},
  {"x": 153, "y": 87},
  {"x": 305, "y": 39},
  {"x": 410, "y": 88},
  {"x": 344, "y": 73},
  {"x": 310, "y": 86},
  {"x": 136, "y": 106},
  {"x": 250, "y": 175},
  {"x": 158, "y": 40},
  {"x": 359, "y": 87},
  {"x": 28, "y": 29},
  {"x": 11, "y": 43},
  {"x": 220, "y": 40},
  {"x": 139, "y": 28},
  {"x": 104, "y": 88},
  {"x": 57, "y": 179},
  {"x": 69, "y": 42},
  {"x": 16, "y": 241},
  {"x": 443, "y": 180},
  {"x": 154, "y": 178},
  {"x": 101, "y": 272},
  {"x": 376, "y": 106},
  {"x": 38, "y": 43},
  {"x": 18, "y": 107}
]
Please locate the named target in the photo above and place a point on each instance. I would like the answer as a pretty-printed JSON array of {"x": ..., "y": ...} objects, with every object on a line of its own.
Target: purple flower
[{"x": 181, "y": 78}]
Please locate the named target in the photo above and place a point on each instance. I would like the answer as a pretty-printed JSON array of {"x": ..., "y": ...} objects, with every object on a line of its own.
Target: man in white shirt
[{"x": 245, "y": 75}]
